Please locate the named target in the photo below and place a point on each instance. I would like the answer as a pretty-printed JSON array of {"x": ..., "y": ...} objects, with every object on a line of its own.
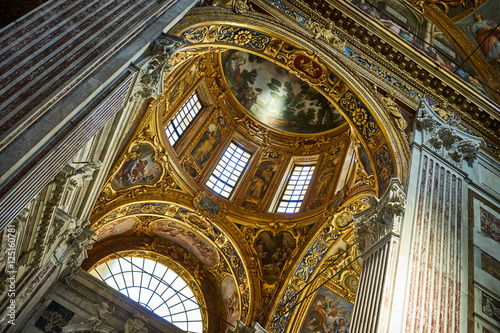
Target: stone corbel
[
  {"x": 74, "y": 250},
  {"x": 85, "y": 173},
  {"x": 444, "y": 136},
  {"x": 154, "y": 64},
  {"x": 383, "y": 217}
]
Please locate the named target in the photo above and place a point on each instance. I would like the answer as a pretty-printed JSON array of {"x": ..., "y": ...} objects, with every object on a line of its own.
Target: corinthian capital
[
  {"x": 446, "y": 139},
  {"x": 154, "y": 64},
  {"x": 383, "y": 217}
]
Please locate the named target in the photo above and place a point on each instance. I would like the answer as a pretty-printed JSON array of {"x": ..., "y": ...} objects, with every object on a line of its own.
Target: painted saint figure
[
  {"x": 206, "y": 146},
  {"x": 488, "y": 40},
  {"x": 260, "y": 182}
]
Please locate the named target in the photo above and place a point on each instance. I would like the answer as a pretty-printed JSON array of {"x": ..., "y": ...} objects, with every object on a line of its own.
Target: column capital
[
  {"x": 154, "y": 63},
  {"x": 444, "y": 136},
  {"x": 381, "y": 218}
]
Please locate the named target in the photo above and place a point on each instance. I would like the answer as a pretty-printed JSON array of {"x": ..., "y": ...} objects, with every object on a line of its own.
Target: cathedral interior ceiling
[{"x": 331, "y": 114}]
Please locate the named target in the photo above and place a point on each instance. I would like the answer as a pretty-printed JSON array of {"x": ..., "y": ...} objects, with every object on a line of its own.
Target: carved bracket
[
  {"x": 154, "y": 64},
  {"x": 444, "y": 136},
  {"x": 382, "y": 217}
]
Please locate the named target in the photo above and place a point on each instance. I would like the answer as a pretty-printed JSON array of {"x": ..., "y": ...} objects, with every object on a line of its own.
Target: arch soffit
[
  {"x": 332, "y": 76},
  {"x": 218, "y": 237}
]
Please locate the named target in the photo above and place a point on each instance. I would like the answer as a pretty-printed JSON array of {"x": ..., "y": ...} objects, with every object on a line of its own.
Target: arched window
[{"x": 155, "y": 287}]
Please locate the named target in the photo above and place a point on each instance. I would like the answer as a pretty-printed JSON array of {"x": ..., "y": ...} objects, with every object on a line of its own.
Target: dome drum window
[
  {"x": 227, "y": 173},
  {"x": 183, "y": 118}
]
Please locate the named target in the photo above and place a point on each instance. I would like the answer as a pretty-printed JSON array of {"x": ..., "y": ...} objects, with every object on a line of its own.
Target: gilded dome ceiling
[{"x": 276, "y": 97}]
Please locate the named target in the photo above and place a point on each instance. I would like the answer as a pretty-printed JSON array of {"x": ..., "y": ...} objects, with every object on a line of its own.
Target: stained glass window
[
  {"x": 154, "y": 286},
  {"x": 228, "y": 171},
  {"x": 183, "y": 118},
  {"x": 295, "y": 189}
]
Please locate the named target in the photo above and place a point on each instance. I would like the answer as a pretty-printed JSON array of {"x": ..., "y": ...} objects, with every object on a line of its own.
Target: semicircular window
[{"x": 155, "y": 287}]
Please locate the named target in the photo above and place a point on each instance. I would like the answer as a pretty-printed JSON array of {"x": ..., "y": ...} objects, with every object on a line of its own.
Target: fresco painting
[
  {"x": 408, "y": 23},
  {"x": 328, "y": 313},
  {"x": 114, "y": 228},
  {"x": 182, "y": 86},
  {"x": 137, "y": 169},
  {"x": 481, "y": 28},
  {"x": 205, "y": 147},
  {"x": 209, "y": 206},
  {"x": 277, "y": 97},
  {"x": 231, "y": 301},
  {"x": 186, "y": 238},
  {"x": 261, "y": 180},
  {"x": 325, "y": 178},
  {"x": 274, "y": 252}
]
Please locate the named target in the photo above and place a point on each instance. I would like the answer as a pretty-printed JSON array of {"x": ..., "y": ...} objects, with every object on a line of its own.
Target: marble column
[
  {"x": 413, "y": 271},
  {"x": 377, "y": 235},
  {"x": 434, "y": 238}
]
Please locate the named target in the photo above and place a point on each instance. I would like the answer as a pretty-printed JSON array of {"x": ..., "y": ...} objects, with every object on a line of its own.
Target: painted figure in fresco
[
  {"x": 325, "y": 179},
  {"x": 488, "y": 40},
  {"x": 206, "y": 146},
  {"x": 172, "y": 229},
  {"x": 209, "y": 206},
  {"x": 248, "y": 96},
  {"x": 138, "y": 168},
  {"x": 232, "y": 305},
  {"x": 393, "y": 108},
  {"x": 323, "y": 308},
  {"x": 328, "y": 313},
  {"x": 274, "y": 252},
  {"x": 260, "y": 182},
  {"x": 125, "y": 173}
]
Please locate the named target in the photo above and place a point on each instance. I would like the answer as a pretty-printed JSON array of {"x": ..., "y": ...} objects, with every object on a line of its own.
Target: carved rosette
[
  {"x": 444, "y": 137},
  {"x": 382, "y": 218}
]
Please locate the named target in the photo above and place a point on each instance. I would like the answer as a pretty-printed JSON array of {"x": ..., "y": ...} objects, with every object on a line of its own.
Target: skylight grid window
[
  {"x": 183, "y": 118},
  {"x": 295, "y": 189},
  {"x": 228, "y": 171},
  {"x": 154, "y": 286}
]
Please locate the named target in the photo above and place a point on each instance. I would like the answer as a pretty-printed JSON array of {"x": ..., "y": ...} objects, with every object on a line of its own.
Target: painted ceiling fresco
[{"x": 277, "y": 97}]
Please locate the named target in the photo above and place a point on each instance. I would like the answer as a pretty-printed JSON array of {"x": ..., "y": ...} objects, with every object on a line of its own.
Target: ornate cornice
[{"x": 382, "y": 218}]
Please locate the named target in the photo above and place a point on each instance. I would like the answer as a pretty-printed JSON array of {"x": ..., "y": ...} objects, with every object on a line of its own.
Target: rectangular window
[
  {"x": 183, "y": 118},
  {"x": 295, "y": 189},
  {"x": 228, "y": 171}
]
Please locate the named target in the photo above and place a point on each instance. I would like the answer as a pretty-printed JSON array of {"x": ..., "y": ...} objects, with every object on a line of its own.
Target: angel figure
[
  {"x": 393, "y": 108},
  {"x": 135, "y": 325},
  {"x": 102, "y": 312},
  {"x": 441, "y": 110}
]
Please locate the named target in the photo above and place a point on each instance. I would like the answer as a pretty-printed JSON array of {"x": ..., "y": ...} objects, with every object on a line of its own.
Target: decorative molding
[{"x": 383, "y": 217}]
